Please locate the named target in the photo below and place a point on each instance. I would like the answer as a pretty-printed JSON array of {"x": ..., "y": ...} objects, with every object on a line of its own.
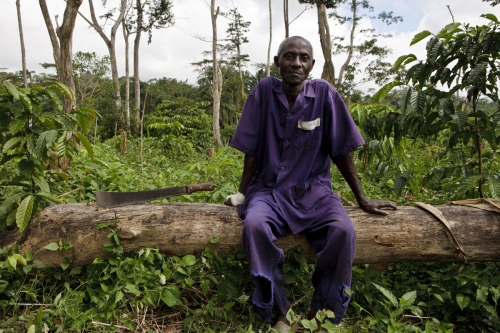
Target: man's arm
[
  {"x": 348, "y": 171},
  {"x": 249, "y": 168}
]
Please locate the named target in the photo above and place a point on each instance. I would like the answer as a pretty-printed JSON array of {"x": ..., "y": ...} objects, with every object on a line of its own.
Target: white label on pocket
[{"x": 309, "y": 125}]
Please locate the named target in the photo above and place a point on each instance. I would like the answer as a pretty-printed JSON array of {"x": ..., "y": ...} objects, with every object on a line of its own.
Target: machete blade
[{"x": 115, "y": 199}]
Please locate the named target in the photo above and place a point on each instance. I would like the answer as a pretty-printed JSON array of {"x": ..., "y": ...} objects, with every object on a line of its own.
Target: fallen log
[{"x": 408, "y": 234}]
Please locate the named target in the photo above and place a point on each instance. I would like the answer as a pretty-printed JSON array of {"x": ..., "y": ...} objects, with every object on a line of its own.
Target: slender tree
[
  {"x": 268, "y": 67},
  {"x": 62, "y": 42},
  {"x": 324, "y": 36},
  {"x": 21, "y": 37},
  {"x": 146, "y": 16},
  {"x": 110, "y": 43},
  {"x": 236, "y": 38},
  {"x": 285, "y": 14},
  {"x": 216, "y": 77}
]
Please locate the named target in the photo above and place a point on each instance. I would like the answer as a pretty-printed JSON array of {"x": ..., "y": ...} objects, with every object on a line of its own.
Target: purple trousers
[{"x": 334, "y": 240}]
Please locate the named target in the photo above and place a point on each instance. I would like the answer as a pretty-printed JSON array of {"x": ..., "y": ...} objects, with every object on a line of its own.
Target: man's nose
[{"x": 296, "y": 62}]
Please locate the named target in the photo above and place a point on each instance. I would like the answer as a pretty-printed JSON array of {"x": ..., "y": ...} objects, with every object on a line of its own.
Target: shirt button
[
  {"x": 288, "y": 114},
  {"x": 287, "y": 141},
  {"x": 274, "y": 190},
  {"x": 282, "y": 168}
]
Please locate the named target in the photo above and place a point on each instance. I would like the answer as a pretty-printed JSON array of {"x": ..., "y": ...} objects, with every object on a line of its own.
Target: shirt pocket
[{"x": 307, "y": 139}]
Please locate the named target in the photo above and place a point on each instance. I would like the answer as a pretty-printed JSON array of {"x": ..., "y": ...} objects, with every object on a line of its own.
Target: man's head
[{"x": 295, "y": 61}]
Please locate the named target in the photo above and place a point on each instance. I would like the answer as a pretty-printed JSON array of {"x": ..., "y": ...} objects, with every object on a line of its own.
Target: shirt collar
[{"x": 308, "y": 91}]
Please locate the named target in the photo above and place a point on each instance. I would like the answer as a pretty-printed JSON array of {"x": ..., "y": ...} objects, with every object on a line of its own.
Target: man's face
[{"x": 295, "y": 61}]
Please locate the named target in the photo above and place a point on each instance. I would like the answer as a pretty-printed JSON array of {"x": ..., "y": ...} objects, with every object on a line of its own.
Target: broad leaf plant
[{"x": 35, "y": 133}]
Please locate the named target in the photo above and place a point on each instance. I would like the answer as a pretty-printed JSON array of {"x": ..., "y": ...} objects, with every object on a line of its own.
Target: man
[{"x": 289, "y": 131}]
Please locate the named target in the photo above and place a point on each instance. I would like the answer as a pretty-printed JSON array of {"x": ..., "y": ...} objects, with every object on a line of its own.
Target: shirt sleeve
[
  {"x": 247, "y": 134},
  {"x": 342, "y": 135}
]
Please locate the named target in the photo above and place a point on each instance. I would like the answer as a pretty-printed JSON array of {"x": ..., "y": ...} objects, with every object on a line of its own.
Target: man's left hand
[{"x": 374, "y": 206}]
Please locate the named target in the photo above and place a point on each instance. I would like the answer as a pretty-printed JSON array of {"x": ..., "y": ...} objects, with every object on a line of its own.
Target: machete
[{"x": 115, "y": 199}]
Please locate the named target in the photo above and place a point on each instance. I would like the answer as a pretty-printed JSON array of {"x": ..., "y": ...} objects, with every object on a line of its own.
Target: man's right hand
[{"x": 235, "y": 199}]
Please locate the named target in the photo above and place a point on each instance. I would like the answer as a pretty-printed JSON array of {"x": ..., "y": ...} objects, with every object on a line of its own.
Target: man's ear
[
  {"x": 276, "y": 61},
  {"x": 313, "y": 62}
]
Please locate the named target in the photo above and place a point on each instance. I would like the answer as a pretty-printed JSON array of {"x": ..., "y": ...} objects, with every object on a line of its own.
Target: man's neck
[{"x": 292, "y": 92}]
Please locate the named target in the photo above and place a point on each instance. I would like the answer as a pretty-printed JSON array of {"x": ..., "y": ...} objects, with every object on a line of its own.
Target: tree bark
[
  {"x": 408, "y": 234},
  {"x": 268, "y": 66},
  {"x": 217, "y": 77},
  {"x": 63, "y": 49},
  {"x": 126, "y": 35},
  {"x": 21, "y": 37},
  {"x": 326, "y": 44},
  {"x": 137, "y": 80}
]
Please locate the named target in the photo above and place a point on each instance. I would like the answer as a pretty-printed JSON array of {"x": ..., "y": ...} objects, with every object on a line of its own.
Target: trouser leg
[
  {"x": 261, "y": 226},
  {"x": 334, "y": 240}
]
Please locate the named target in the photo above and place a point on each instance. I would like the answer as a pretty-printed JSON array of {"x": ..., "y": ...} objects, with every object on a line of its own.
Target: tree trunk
[
  {"x": 137, "y": 81},
  {"x": 21, "y": 37},
  {"x": 217, "y": 77},
  {"x": 110, "y": 43},
  {"x": 56, "y": 52},
  {"x": 63, "y": 50},
  {"x": 408, "y": 234},
  {"x": 285, "y": 14},
  {"x": 343, "y": 68},
  {"x": 268, "y": 66},
  {"x": 326, "y": 44},
  {"x": 126, "y": 110}
]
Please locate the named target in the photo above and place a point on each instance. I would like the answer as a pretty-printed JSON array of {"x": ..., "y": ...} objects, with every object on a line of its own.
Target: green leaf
[
  {"x": 491, "y": 310},
  {"x": 477, "y": 75},
  {"x": 10, "y": 144},
  {"x": 404, "y": 59},
  {"x": 408, "y": 298},
  {"x": 85, "y": 117},
  {"x": 132, "y": 289},
  {"x": 51, "y": 247},
  {"x": 118, "y": 296},
  {"x": 11, "y": 89},
  {"x": 188, "y": 260},
  {"x": 447, "y": 30},
  {"x": 50, "y": 197},
  {"x": 421, "y": 35},
  {"x": 491, "y": 17},
  {"x": 26, "y": 101},
  {"x": 386, "y": 89},
  {"x": 494, "y": 186},
  {"x": 45, "y": 140},
  {"x": 462, "y": 301},
  {"x": 404, "y": 97},
  {"x": 417, "y": 101},
  {"x": 16, "y": 125},
  {"x": 390, "y": 296},
  {"x": 13, "y": 198},
  {"x": 434, "y": 46},
  {"x": 168, "y": 297},
  {"x": 65, "y": 90},
  {"x": 24, "y": 211},
  {"x": 41, "y": 183},
  {"x": 481, "y": 294},
  {"x": 86, "y": 143}
]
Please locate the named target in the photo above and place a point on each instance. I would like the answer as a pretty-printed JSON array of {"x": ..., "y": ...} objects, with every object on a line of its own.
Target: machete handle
[{"x": 199, "y": 187}]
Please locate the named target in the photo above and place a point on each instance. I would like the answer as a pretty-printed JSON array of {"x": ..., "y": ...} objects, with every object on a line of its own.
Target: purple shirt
[{"x": 294, "y": 147}]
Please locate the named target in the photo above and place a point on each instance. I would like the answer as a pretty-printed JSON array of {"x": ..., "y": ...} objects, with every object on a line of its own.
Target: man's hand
[
  {"x": 374, "y": 206},
  {"x": 235, "y": 199}
]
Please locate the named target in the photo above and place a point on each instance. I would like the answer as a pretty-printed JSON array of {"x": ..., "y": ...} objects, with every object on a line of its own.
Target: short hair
[{"x": 280, "y": 48}]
